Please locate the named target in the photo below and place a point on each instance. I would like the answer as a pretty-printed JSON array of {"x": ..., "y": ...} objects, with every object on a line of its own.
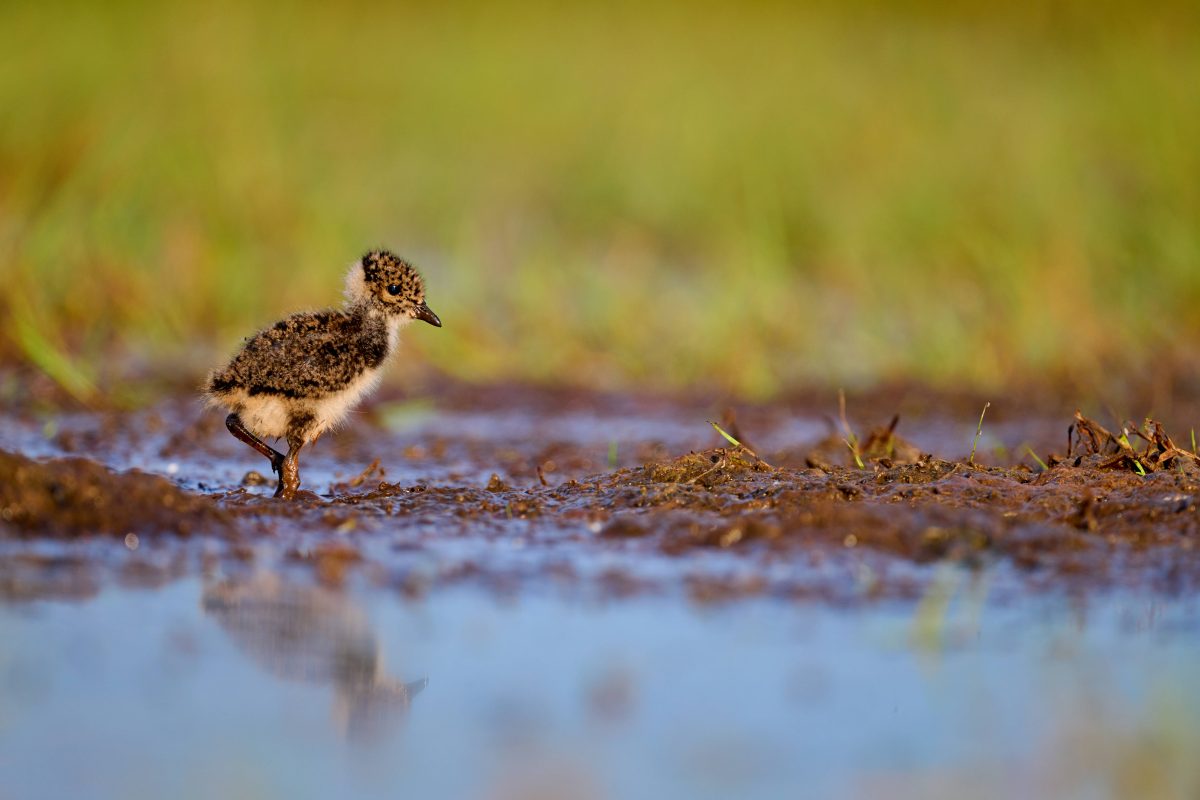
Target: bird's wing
[{"x": 304, "y": 355}]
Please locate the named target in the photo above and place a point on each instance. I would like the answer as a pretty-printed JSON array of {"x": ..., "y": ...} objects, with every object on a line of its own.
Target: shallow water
[
  {"x": 167, "y": 693},
  {"x": 546, "y": 594}
]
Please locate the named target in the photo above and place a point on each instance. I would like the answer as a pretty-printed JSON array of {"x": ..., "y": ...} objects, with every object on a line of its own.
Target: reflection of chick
[
  {"x": 301, "y": 376},
  {"x": 308, "y": 634}
]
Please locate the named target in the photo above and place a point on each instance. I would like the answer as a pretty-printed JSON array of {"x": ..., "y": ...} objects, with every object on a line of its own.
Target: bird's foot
[
  {"x": 286, "y": 489},
  {"x": 289, "y": 476}
]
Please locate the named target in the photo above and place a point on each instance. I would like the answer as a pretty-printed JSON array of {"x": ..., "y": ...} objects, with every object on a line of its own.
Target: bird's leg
[
  {"x": 234, "y": 423},
  {"x": 289, "y": 475}
]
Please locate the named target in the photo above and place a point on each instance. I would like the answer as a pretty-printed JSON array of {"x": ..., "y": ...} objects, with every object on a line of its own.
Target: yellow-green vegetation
[
  {"x": 623, "y": 194},
  {"x": 978, "y": 432}
]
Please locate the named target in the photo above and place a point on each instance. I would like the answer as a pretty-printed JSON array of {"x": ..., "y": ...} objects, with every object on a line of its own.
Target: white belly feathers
[{"x": 267, "y": 416}]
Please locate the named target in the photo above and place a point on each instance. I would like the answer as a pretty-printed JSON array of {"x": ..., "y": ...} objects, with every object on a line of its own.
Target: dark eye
[{"x": 394, "y": 289}]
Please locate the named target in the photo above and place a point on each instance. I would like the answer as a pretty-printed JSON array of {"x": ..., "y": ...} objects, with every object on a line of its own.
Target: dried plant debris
[{"x": 1088, "y": 438}]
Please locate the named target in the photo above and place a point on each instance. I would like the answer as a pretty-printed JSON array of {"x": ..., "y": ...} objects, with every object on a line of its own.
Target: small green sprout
[
  {"x": 612, "y": 454},
  {"x": 729, "y": 438},
  {"x": 852, "y": 443},
  {"x": 721, "y": 431},
  {"x": 978, "y": 432},
  {"x": 850, "y": 439},
  {"x": 1034, "y": 455},
  {"x": 1123, "y": 439}
]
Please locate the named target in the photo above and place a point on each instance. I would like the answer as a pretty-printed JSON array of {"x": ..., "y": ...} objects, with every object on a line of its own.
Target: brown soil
[
  {"x": 68, "y": 497},
  {"x": 501, "y": 504}
]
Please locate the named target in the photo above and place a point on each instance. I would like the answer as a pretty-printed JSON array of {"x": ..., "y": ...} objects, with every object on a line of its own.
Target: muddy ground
[{"x": 520, "y": 488}]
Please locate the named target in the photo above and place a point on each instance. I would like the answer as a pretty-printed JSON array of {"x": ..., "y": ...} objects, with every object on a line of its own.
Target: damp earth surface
[{"x": 509, "y": 591}]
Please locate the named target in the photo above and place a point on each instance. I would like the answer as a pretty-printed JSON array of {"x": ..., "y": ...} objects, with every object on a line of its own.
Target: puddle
[{"x": 275, "y": 688}]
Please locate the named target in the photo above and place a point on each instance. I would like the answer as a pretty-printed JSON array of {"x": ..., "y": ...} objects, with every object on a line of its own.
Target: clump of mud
[
  {"x": 1115, "y": 510},
  {"x": 73, "y": 497},
  {"x": 709, "y": 469},
  {"x": 1110, "y": 515}
]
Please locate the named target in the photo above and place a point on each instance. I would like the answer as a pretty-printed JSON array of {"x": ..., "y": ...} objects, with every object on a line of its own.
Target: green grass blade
[
  {"x": 721, "y": 431},
  {"x": 978, "y": 433}
]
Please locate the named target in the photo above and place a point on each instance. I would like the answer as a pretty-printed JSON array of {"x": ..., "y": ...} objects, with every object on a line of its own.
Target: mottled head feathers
[{"x": 388, "y": 284}]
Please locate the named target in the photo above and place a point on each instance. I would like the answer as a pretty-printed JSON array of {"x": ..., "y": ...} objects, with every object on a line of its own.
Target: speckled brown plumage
[
  {"x": 307, "y": 355},
  {"x": 299, "y": 377}
]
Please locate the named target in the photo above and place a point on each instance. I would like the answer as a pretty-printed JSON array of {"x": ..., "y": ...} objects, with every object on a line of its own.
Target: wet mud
[
  {"x": 518, "y": 488},
  {"x": 67, "y": 497}
]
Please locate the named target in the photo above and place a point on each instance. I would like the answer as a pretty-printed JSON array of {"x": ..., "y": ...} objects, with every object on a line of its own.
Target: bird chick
[{"x": 301, "y": 376}]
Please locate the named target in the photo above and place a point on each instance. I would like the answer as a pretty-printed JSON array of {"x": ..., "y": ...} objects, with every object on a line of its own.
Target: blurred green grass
[{"x": 635, "y": 195}]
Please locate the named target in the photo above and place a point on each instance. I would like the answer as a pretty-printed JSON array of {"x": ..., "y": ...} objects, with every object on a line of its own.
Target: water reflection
[{"x": 305, "y": 633}]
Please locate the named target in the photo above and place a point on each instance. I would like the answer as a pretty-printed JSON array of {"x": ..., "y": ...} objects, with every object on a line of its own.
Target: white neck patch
[{"x": 356, "y": 284}]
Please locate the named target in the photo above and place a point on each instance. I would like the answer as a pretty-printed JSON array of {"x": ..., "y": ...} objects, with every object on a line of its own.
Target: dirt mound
[{"x": 74, "y": 497}]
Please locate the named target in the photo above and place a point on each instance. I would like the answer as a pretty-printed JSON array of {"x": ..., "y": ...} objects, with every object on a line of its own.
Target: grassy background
[{"x": 641, "y": 195}]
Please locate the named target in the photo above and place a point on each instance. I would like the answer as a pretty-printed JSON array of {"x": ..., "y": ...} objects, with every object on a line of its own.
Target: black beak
[{"x": 425, "y": 314}]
